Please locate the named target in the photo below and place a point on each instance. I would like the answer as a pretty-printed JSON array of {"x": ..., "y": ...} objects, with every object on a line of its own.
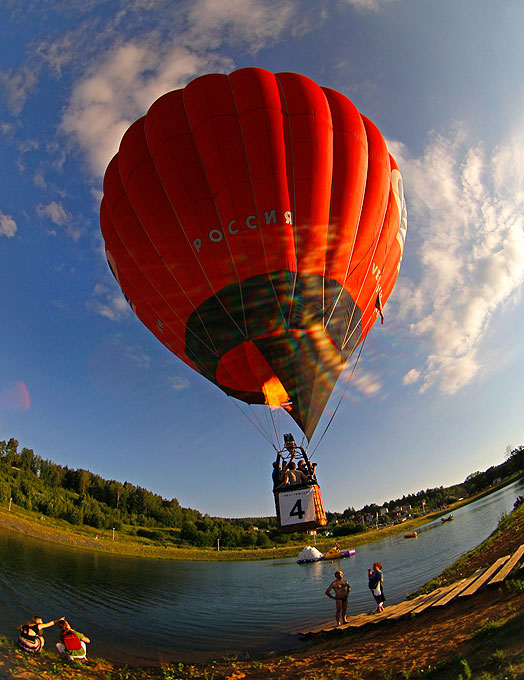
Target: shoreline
[
  {"x": 127, "y": 546},
  {"x": 478, "y": 637},
  {"x": 87, "y": 538}
]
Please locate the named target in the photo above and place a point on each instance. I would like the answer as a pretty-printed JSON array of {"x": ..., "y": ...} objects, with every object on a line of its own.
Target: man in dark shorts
[{"x": 341, "y": 589}]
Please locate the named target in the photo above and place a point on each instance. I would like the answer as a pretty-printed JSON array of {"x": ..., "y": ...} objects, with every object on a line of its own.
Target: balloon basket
[{"x": 300, "y": 509}]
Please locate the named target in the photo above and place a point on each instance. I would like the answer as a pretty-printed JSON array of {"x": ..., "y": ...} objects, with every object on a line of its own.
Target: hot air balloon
[{"x": 255, "y": 222}]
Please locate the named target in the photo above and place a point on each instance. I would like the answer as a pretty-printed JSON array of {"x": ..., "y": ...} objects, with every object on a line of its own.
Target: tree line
[
  {"x": 82, "y": 498},
  {"x": 432, "y": 499}
]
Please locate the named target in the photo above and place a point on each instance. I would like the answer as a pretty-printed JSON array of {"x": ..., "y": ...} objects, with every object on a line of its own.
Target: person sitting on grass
[
  {"x": 72, "y": 645},
  {"x": 31, "y": 638}
]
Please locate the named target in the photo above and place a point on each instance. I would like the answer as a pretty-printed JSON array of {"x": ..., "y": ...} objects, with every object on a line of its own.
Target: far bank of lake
[{"x": 120, "y": 543}]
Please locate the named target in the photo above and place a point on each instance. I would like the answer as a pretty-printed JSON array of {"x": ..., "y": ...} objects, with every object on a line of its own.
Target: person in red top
[{"x": 72, "y": 644}]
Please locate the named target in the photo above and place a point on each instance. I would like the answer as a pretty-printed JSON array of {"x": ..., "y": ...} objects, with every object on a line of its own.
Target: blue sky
[{"x": 437, "y": 393}]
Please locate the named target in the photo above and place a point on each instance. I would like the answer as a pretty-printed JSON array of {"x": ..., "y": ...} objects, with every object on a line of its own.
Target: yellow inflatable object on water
[{"x": 332, "y": 554}]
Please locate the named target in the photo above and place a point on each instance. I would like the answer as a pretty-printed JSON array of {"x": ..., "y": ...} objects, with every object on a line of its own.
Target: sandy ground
[{"x": 405, "y": 646}]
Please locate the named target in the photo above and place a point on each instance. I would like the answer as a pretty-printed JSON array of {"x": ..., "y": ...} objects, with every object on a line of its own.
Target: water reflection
[{"x": 143, "y": 611}]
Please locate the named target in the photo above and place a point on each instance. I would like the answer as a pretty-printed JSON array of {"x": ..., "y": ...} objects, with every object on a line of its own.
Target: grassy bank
[
  {"x": 87, "y": 538},
  {"x": 121, "y": 543},
  {"x": 478, "y": 638}
]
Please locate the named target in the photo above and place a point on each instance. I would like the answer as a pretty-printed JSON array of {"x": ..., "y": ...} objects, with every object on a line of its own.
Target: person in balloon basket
[
  {"x": 308, "y": 471},
  {"x": 72, "y": 645},
  {"x": 287, "y": 475},
  {"x": 375, "y": 584},
  {"x": 291, "y": 476},
  {"x": 340, "y": 594},
  {"x": 295, "y": 475},
  {"x": 278, "y": 471}
]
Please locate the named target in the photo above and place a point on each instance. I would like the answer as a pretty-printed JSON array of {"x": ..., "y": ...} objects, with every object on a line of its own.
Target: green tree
[
  {"x": 11, "y": 452},
  {"x": 26, "y": 459},
  {"x": 189, "y": 532}
]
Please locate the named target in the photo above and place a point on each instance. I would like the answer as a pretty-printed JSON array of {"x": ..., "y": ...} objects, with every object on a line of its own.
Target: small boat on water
[
  {"x": 335, "y": 554},
  {"x": 310, "y": 554},
  {"x": 449, "y": 518},
  {"x": 410, "y": 534}
]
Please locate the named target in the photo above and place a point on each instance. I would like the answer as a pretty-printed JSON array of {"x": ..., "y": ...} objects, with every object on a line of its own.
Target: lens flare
[{"x": 15, "y": 396}]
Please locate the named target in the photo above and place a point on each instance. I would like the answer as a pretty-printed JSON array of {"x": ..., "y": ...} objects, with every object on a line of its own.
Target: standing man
[{"x": 341, "y": 588}]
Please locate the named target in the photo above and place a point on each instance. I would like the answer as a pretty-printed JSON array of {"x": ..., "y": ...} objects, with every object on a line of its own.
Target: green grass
[
  {"x": 83, "y": 537},
  {"x": 492, "y": 657}
]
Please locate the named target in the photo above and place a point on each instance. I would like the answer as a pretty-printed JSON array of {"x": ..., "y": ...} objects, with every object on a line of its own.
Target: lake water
[{"x": 141, "y": 611}]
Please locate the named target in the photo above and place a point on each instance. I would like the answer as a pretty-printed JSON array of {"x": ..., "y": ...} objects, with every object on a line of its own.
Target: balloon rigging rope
[
  {"x": 346, "y": 275},
  {"x": 372, "y": 299},
  {"x": 210, "y": 346},
  {"x": 199, "y": 263},
  {"x": 241, "y": 293},
  {"x": 264, "y": 250},
  {"x": 347, "y": 336},
  {"x": 273, "y": 423},
  {"x": 253, "y": 421},
  {"x": 294, "y": 211},
  {"x": 340, "y": 400}
]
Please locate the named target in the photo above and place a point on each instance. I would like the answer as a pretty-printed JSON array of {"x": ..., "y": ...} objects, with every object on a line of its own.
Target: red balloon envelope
[{"x": 252, "y": 220}]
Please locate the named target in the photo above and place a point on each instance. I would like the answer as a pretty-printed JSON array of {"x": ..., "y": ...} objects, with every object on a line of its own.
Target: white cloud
[
  {"x": 57, "y": 53},
  {"x": 367, "y": 384},
  {"x": 136, "y": 355},
  {"x": 109, "y": 303},
  {"x": 178, "y": 383},
  {"x": 121, "y": 89},
  {"x": 39, "y": 180},
  {"x": 56, "y": 212},
  {"x": 119, "y": 86},
  {"x": 255, "y": 23},
  {"x": 367, "y": 5},
  {"x": 411, "y": 377},
  {"x": 364, "y": 383},
  {"x": 7, "y": 225},
  {"x": 28, "y": 145},
  {"x": 6, "y": 128},
  {"x": 466, "y": 210},
  {"x": 17, "y": 87}
]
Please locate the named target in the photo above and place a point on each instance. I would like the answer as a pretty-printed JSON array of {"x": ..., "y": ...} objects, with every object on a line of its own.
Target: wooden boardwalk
[{"x": 440, "y": 597}]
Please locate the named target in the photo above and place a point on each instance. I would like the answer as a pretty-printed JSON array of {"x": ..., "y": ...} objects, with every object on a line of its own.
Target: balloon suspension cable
[
  {"x": 304, "y": 444},
  {"x": 253, "y": 420},
  {"x": 275, "y": 428},
  {"x": 340, "y": 400},
  {"x": 272, "y": 425}
]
